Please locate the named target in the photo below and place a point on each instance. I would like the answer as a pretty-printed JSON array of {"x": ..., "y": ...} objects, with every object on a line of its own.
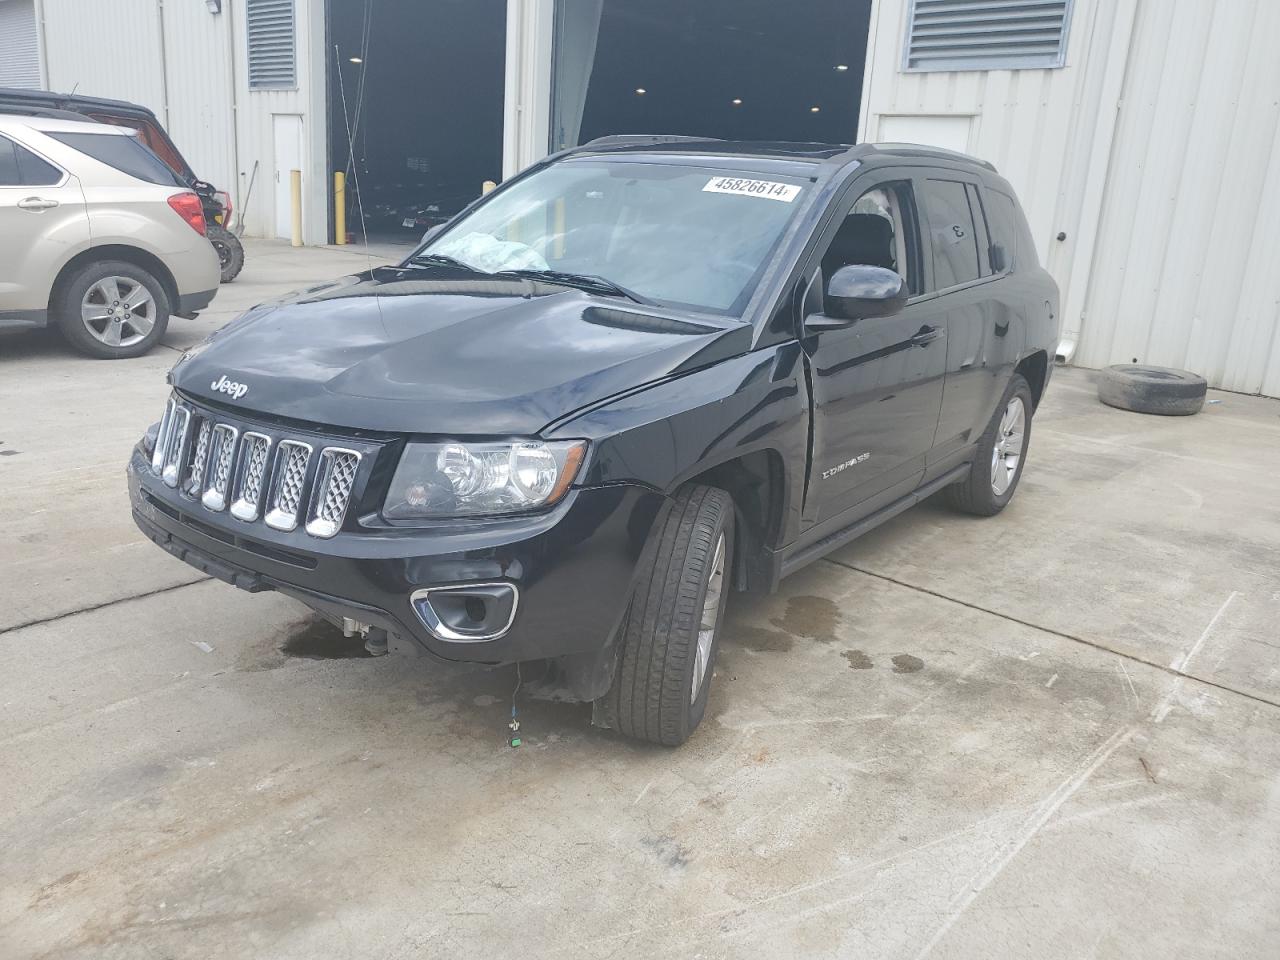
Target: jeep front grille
[{"x": 259, "y": 476}]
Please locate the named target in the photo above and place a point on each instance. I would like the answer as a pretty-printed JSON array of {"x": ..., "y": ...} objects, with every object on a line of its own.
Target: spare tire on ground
[{"x": 1160, "y": 390}]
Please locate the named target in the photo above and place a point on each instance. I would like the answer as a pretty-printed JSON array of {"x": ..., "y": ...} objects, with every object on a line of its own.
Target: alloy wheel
[
  {"x": 710, "y": 617},
  {"x": 1007, "y": 452},
  {"x": 118, "y": 311}
]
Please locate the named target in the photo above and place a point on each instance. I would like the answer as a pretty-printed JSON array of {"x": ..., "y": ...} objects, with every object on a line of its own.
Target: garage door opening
[
  {"x": 419, "y": 85},
  {"x": 735, "y": 69}
]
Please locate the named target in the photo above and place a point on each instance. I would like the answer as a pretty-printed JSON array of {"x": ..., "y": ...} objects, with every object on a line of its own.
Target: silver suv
[{"x": 97, "y": 237}]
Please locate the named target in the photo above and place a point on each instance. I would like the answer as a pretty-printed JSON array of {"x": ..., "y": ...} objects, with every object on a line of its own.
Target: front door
[
  {"x": 287, "y": 138},
  {"x": 42, "y": 214},
  {"x": 877, "y": 385}
]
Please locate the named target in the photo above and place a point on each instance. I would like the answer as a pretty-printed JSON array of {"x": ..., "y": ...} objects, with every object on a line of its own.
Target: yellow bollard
[
  {"x": 295, "y": 202},
  {"x": 339, "y": 208},
  {"x": 488, "y": 187}
]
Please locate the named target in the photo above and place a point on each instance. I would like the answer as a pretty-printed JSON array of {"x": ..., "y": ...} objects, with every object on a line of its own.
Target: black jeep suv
[{"x": 640, "y": 373}]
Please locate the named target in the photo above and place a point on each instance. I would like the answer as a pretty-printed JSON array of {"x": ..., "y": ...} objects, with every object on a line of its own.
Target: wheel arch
[
  {"x": 113, "y": 251},
  {"x": 757, "y": 482},
  {"x": 1034, "y": 368}
]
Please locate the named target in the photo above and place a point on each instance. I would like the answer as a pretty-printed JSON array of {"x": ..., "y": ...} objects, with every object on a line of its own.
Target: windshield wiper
[
  {"x": 584, "y": 281},
  {"x": 444, "y": 260}
]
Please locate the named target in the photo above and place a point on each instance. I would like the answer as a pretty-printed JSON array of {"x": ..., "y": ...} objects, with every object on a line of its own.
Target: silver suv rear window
[{"x": 125, "y": 153}]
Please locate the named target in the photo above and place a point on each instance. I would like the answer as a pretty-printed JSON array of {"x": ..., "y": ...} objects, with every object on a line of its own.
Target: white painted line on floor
[
  {"x": 1044, "y": 812},
  {"x": 201, "y": 645},
  {"x": 1052, "y": 680},
  {"x": 1181, "y": 662}
]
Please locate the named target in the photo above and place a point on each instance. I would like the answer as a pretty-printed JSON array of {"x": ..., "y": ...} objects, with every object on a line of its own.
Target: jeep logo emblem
[{"x": 229, "y": 387}]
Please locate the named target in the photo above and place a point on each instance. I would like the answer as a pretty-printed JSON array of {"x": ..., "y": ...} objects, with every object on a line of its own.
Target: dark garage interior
[
  {"x": 419, "y": 83},
  {"x": 422, "y": 82}
]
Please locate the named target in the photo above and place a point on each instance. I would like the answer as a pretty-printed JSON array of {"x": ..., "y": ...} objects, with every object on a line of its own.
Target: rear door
[
  {"x": 877, "y": 384},
  {"x": 43, "y": 222},
  {"x": 979, "y": 320}
]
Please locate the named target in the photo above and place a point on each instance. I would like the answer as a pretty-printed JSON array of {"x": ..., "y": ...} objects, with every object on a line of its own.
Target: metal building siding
[
  {"x": 19, "y": 45},
  {"x": 1185, "y": 270},
  {"x": 105, "y": 50},
  {"x": 1156, "y": 151}
]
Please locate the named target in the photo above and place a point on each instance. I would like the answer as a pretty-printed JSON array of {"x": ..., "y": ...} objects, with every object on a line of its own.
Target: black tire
[
  {"x": 230, "y": 251},
  {"x": 1159, "y": 390},
  {"x": 652, "y": 697},
  {"x": 976, "y": 494},
  {"x": 71, "y": 295}
]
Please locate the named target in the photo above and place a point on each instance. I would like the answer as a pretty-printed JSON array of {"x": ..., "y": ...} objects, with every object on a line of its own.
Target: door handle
[
  {"x": 37, "y": 203},
  {"x": 925, "y": 336}
]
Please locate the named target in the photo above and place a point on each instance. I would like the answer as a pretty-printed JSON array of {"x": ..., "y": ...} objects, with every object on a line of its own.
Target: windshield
[{"x": 673, "y": 234}]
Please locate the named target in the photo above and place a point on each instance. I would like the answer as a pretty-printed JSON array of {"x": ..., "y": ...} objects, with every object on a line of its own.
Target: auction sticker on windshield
[{"x": 767, "y": 189}]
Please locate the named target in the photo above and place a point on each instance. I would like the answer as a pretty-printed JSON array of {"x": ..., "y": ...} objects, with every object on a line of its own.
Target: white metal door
[{"x": 287, "y": 137}]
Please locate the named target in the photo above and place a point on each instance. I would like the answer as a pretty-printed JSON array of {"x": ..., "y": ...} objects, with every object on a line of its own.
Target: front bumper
[{"x": 573, "y": 565}]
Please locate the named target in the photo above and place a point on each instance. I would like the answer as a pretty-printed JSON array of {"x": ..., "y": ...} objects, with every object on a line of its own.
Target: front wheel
[
  {"x": 671, "y": 632},
  {"x": 230, "y": 251},
  {"x": 1001, "y": 455}
]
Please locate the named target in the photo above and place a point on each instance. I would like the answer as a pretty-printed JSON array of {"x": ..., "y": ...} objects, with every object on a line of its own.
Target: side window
[
  {"x": 980, "y": 229},
  {"x": 125, "y": 153},
  {"x": 951, "y": 232},
  {"x": 1003, "y": 223},
  {"x": 19, "y": 167},
  {"x": 878, "y": 231},
  {"x": 9, "y": 176}
]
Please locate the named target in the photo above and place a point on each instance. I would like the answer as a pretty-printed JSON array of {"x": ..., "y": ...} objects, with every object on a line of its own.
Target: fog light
[{"x": 467, "y": 613}]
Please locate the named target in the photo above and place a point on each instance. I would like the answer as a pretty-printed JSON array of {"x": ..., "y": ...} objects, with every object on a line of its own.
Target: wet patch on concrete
[
  {"x": 814, "y": 617},
  {"x": 857, "y": 660},
  {"x": 9, "y": 453},
  {"x": 906, "y": 663},
  {"x": 668, "y": 851},
  {"x": 317, "y": 639},
  {"x": 760, "y": 639}
]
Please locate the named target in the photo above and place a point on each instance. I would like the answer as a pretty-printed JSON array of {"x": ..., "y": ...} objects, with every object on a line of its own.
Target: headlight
[{"x": 455, "y": 479}]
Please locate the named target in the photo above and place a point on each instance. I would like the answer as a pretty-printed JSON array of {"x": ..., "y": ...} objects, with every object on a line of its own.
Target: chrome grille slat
[
  {"x": 162, "y": 437},
  {"x": 176, "y": 446},
  {"x": 255, "y": 459},
  {"x": 221, "y": 461},
  {"x": 335, "y": 481},
  {"x": 292, "y": 459},
  {"x": 199, "y": 458}
]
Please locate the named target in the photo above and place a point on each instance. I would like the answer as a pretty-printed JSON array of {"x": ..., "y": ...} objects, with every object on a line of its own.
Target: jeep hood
[{"x": 441, "y": 351}]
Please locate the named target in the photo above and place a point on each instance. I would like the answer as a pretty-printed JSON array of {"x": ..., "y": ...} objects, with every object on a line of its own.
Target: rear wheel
[
  {"x": 1001, "y": 454},
  {"x": 671, "y": 632},
  {"x": 230, "y": 251},
  {"x": 112, "y": 310}
]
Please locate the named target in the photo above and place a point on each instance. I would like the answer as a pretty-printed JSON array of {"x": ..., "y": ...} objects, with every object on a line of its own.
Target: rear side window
[
  {"x": 1002, "y": 221},
  {"x": 952, "y": 233},
  {"x": 19, "y": 167},
  {"x": 124, "y": 153}
]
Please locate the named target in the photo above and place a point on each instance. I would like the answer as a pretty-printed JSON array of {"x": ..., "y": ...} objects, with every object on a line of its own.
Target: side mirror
[{"x": 859, "y": 292}]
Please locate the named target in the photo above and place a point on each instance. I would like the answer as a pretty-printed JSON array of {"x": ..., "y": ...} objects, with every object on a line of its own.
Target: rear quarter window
[
  {"x": 1002, "y": 220},
  {"x": 124, "y": 153},
  {"x": 19, "y": 167}
]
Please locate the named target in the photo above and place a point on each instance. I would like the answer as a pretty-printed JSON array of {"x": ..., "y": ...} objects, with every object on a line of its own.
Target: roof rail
[
  {"x": 639, "y": 139},
  {"x": 923, "y": 150}
]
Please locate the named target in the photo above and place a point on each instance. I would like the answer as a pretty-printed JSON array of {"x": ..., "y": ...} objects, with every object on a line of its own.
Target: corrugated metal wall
[
  {"x": 19, "y": 44},
  {"x": 1156, "y": 151},
  {"x": 178, "y": 59}
]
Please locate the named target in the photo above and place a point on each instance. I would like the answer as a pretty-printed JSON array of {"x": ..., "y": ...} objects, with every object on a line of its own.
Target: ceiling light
[
  {"x": 842, "y": 67},
  {"x": 814, "y": 109},
  {"x": 641, "y": 91},
  {"x": 737, "y": 102},
  {"x": 356, "y": 60}
]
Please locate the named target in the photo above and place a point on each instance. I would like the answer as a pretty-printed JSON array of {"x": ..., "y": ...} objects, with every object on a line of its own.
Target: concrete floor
[{"x": 1053, "y": 734}]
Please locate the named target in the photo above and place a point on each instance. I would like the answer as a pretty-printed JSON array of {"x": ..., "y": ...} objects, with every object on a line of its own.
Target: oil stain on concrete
[
  {"x": 317, "y": 639},
  {"x": 814, "y": 617},
  {"x": 906, "y": 663},
  {"x": 857, "y": 660}
]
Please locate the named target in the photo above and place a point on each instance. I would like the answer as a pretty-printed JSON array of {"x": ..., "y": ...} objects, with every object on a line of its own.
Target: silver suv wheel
[
  {"x": 118, "y": 311},
  {"x": 1007, "y": 451}
]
